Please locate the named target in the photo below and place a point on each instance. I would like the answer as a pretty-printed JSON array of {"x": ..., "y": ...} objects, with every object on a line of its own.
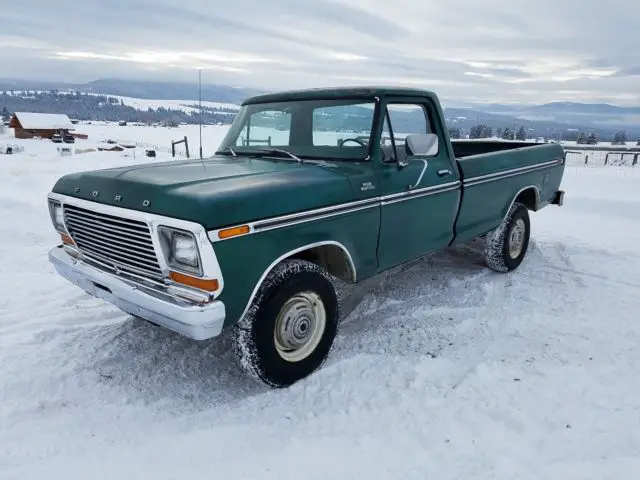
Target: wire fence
[
  {"x": 149, "y": 146},
  {"x": 602, "y": 158}
]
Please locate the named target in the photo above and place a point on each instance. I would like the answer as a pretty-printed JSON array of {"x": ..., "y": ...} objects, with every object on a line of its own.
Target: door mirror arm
[{"x": 424, "y": 169}]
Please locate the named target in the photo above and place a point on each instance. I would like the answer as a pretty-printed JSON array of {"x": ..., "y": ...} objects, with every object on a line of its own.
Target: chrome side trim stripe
[
  {"x": 351, "y": 207},
  {"x": 280, "y": 223},
  {"x": 470, "y": 182},
  {"x": 269, "y": 224},
  {"x": 335, "y": 210},
  {"x": 419, "y": 193}
]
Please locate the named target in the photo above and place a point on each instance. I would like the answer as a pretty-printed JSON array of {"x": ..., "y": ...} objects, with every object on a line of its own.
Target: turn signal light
[
  {"x": 209, "y": 285},
  {"x": 233, "y": 232}
]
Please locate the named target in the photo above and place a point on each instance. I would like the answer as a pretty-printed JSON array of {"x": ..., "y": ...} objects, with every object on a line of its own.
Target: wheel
[
  {"x": 507, "y": 245},
  {"x": 290, "y": 327}
]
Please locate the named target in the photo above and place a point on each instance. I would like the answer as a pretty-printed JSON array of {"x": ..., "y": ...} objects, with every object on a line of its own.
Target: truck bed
[
  {"x": 486, "y": 158},
  {"x": 495, "y": 173},
  {"x": 466, "y": 148}
]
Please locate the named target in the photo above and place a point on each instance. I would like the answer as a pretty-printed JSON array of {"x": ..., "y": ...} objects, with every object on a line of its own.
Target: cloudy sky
[{"x": 468, "y": 50}]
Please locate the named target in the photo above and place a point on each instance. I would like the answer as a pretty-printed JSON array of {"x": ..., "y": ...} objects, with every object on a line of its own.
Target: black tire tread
[
  {"x": 244, "y": 332},
  {"x": 495, "y": 254}
]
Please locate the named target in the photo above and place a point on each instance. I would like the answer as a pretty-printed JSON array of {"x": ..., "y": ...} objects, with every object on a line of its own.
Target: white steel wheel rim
[
  {"x": 516, "y": 238},
  {"x": 299, "y": 326}
]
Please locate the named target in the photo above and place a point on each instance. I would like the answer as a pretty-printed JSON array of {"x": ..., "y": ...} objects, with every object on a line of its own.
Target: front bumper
[{"x": 198, "y": 322}]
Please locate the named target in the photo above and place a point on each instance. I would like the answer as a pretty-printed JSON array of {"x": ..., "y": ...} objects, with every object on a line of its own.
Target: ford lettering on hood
[{"x": 213, "y": 192}]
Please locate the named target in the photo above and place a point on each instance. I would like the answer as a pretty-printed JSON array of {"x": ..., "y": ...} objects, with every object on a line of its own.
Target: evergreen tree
[
  {"x": 620, "y": 138},
  {"x": 582, "y": 139},
  {"x": 508, "y": 134},
  {"x": 521, "y": 134},
  {"x": 592, "y": 139},
  {"x": 481, "y": 131},
  {"x": 454, "y": 133},
  {"x": 474, "y": 132}
]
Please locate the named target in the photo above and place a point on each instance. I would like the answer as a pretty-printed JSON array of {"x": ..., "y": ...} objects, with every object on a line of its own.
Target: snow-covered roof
[{"x": 43, "y": 121}]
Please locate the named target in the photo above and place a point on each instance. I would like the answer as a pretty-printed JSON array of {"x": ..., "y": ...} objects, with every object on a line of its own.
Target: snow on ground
[
  {"x": 158, "y": 138},
  {"x": 443, "y": 370}
]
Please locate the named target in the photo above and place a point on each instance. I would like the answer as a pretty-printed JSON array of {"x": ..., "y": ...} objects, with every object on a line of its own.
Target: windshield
[{"x": 321, "y": 129}]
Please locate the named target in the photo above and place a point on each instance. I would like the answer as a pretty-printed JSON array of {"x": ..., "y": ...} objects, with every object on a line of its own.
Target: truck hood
[{"x": 218, "y": 191}]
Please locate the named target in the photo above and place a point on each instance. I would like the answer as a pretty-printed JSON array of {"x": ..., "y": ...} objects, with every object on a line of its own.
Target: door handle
[{"x": 442, "y": 173}]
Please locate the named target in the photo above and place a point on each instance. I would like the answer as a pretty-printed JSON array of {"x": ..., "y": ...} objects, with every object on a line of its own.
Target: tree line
[
  {"x": 87, "y": 107},
  {"x": 485, "y": 131},
  {"x": 581, "y": 138}
]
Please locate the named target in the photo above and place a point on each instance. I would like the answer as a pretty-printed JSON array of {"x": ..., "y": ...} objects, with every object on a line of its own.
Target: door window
[{"x": 406, "y": 118}]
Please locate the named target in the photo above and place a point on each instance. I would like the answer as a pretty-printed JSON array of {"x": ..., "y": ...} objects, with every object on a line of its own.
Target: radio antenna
[{"x": 200, "y": 108}]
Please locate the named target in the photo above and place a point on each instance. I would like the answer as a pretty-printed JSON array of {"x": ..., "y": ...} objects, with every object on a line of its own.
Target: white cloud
[
  {"x": 479, "y": 74},
  {"x": 473, "y": 49}
]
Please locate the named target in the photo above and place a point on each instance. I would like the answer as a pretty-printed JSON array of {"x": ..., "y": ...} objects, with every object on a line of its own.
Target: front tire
[
  {"x": 290, "y": 327},
  {"x": 507, "y": 245}
]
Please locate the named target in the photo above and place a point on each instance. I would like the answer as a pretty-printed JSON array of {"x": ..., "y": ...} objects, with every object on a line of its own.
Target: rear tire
[
  {"x": 290, "y": 327},
  {"x": 507, "y": 245}
]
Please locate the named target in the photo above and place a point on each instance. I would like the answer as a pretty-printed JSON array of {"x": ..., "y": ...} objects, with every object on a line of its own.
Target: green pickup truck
[{"x": 307, "y": 187}]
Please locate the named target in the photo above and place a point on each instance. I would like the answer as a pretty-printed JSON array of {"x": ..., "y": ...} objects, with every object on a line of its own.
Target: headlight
[
  {"x": 180, "y": 250},
  {"x": 57, "y": 217},
  {"x": 185, "y": 250}
]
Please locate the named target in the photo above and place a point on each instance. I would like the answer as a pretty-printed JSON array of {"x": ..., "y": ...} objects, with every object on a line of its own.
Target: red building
[{"x": 44, "y": 125}]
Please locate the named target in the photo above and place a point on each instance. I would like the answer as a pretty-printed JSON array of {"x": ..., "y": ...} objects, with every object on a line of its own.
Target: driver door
[{"x": 420, "y": 195}]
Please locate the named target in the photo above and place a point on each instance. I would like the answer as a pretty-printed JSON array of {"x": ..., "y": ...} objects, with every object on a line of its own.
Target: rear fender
[{"x": 529, "y": 196}]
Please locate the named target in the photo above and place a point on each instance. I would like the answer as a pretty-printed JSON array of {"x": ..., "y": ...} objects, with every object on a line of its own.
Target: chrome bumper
[{"x": 193, "y": 321}]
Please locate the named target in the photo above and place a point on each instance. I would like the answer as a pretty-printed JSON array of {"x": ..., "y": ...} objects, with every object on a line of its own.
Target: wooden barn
[{"x": 44, "y": 125}]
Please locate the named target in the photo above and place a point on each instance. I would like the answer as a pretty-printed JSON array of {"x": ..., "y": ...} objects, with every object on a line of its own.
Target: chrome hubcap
[
  {"x": 516, "y": 239},
  {"x": 299, "y": 326}
]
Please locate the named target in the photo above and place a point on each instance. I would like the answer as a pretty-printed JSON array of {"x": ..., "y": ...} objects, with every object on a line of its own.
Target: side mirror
[{"x": 422, "y": 144}]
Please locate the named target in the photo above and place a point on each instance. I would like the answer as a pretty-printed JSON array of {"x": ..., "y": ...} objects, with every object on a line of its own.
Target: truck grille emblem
[
  {"x": 95, "y": 194},
  {"x": 146, "y": 203},
  {"x": 117, "y": 198}
]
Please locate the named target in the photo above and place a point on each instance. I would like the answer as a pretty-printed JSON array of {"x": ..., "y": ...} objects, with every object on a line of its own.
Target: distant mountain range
[
  {"x": 550, "y": 120},
  {"x": 594, "y": 115}
]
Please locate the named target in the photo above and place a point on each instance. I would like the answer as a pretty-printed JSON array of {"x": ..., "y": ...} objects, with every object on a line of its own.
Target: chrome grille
[{"x": 118, "y": 242}]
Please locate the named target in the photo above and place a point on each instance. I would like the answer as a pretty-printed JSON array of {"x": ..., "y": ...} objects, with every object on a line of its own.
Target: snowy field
[
  {"x": 444, "y": 369},
  {"x": 187, "y": 106},
  {"x": 158, "y": 138}
]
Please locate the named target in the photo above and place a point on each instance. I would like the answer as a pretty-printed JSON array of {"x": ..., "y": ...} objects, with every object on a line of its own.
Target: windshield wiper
[
  {"x": 283, "y": 152},
  {"x": 230, "y": 150}
]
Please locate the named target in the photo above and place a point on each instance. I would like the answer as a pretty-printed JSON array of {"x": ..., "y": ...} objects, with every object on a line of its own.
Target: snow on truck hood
[{"x": 219, "y": 191}]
